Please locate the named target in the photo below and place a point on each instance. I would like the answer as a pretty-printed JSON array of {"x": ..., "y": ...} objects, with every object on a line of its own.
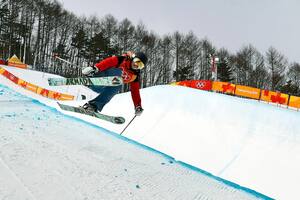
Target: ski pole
[
  {"x": 59, "y": 58},
  {"x": 128, "y": 124}
]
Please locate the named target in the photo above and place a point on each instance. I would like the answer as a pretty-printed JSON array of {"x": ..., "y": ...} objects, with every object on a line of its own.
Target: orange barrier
[
  {"x": 34, "y": 88},
  {"x": 294, "y": 102},
  {"x": 19, "y": 65},
  {"x": 274, "y": 97},
  {"x": 184, "y": 83},
  {"x": 30, "y": 87},
  {"x": 197, "y": 84},
  {"x": 246, "y": 91},
  {"x": 223, "y": 87},
  {"x": 201, "y": 84},
  {"x": 2, "y": 70},
  {"x": 14, "y": 61}
]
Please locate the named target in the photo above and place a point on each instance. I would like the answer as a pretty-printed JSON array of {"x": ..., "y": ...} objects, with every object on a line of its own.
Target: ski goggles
[{"x": 137, "y": 63}]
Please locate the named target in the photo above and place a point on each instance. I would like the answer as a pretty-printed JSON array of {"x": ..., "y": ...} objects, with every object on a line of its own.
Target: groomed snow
[
  {"x": 250, "y": 143},
  {"x": 46, "y": 155}
]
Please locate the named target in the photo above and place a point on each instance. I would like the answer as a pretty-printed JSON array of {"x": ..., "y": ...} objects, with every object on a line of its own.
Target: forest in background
[{"x": 38, "y": 30}]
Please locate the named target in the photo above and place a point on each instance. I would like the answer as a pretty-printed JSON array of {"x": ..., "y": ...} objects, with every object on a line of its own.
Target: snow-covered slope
[
  {"x": 47, "y": 155},
  {"x": 248, "y": 142}
]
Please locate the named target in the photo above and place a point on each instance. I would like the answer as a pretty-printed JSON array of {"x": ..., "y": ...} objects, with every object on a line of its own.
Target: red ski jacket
[{"x": 128, "y": 74}]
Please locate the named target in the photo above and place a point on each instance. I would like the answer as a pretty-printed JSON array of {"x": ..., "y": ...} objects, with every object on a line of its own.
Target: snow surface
[
  {"x": 247, "y": 142},
  {"x": 45, "y": 155}
]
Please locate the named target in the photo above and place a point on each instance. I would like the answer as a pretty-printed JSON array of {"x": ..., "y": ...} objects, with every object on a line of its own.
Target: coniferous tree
[
  {"x": 97, "y": 48},
  {"x": 224, "y": 69},
  {"x": 290, "y": 88}
]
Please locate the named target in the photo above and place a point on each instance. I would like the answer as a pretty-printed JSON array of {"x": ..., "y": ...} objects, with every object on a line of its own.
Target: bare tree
[
  {"x": 207, "y": 50},
  {"x": 247, "y": 66},
  {"x": 34, "y": 29},
  {"x": 276, "y": 64},
  {"x": 109, "y": 29},
  {"x": 164, "y": 49},
  {"x": 125, "y": 36},
  {"x": 192, "y": 47}
]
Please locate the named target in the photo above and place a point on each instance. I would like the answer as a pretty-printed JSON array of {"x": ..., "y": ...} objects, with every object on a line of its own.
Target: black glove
[
  {"x": 138, "y": 110},
  {"x": 89, "y": 71}
]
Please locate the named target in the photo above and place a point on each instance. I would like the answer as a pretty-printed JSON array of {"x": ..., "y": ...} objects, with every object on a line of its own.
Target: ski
[
  {"x": 101, "y": 81},
  {"x": 109, "y": 118}
]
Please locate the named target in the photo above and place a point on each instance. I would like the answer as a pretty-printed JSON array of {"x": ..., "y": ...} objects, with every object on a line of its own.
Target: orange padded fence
[
  {"x": 19, "y": 65},
  {"x": 243, "y": 91},
  {"x": 197, "y": 84},
  {"x": 2, "y": 70},
  {"x": 294, "y": 102},
  {"x": 14, "y": 61},
  {"x": 248, "y": 92},
  {"x": 34, "y": 88},
  {"x": 183, "y": 83},
  {"x": 223, "y": 87},
  {"x": 274, "y": 97},
  {"x": 201, "y": 84}
]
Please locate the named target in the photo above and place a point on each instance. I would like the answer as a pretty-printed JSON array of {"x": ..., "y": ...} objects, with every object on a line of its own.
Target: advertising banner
[
  {"x": 2, "y": 70},
  {"x": 22, "y": 83},
  {"x": 201, "y": 84},
  {"x": 246, "y": 91},
  {"x": 184, "y": 83},
  {"x": 19, "y": 65},
  {"x": 223, "y": 87},
  {"x": 55, "y": 95},
  {"x": 42, "y": 91},
  {"x": 31, "y": 87},
  {"x": 197, "y": 84},
  {"x": 34, "y": 88},
  {"x": 274, "y": 97},
  {"x": 10, "y": 76},
  {"x": 14, "y": 61},
  {"x": 294, "y": 102}
]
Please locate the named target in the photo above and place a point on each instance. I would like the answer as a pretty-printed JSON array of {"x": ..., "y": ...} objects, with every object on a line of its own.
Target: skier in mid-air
[{"x": 128, "y": 66}]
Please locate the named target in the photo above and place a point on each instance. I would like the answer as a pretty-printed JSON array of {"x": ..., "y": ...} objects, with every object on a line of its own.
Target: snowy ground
[
  {"x": 244, "y": 141},
  {"x": 47, "y": 155}
]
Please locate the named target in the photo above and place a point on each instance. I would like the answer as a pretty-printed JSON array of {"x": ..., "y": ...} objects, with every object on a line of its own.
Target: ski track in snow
[{"x": 46, "y": 155}]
